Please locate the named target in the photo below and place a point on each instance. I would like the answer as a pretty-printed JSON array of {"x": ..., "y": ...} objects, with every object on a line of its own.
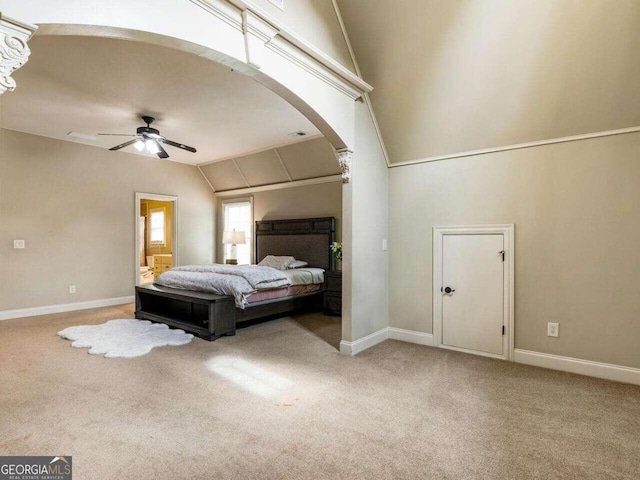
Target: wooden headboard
[{"x": 306, "y": 239}]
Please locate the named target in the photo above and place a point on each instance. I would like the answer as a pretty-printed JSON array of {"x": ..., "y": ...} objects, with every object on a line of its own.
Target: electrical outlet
[
  {"x": 72, "y": 289},
  {"x": 553, "y": 329}
]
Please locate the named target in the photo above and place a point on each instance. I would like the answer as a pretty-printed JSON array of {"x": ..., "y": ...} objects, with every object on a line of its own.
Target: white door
[{"x": 473, "y": 293}]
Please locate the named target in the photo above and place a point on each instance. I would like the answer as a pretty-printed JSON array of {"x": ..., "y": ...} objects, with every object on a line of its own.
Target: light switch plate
[
  {"x": 18, "y": 244},
  {"x": 385, "y": 244}
]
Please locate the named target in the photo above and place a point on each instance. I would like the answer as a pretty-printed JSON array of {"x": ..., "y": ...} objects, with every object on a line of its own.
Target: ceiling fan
[{"x": 149, "y": 139}]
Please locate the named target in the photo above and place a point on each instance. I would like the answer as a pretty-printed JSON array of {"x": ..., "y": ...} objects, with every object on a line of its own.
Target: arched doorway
[{"x": 238, "y": 37}]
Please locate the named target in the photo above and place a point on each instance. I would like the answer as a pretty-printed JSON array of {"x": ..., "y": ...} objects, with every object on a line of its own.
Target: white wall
[{"x": 365, "y": 225}]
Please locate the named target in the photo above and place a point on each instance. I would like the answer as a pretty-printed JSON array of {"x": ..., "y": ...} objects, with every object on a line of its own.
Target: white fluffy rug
[{"x": 124, "y": 337}]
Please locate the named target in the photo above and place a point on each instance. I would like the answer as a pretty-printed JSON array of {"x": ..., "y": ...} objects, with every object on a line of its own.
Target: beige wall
[
  {"x": 74, "y": 206},
  {"x": 575, "y": 209},
  {"x": 458, "y": 75},
  {"x": 322, "y": 200}
]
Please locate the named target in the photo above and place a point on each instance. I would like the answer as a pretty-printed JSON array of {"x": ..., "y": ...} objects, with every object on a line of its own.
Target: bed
[{"x": 210, "y": 315}]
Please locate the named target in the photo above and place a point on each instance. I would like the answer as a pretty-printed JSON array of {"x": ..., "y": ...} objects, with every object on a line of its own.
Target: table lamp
[{"x": 233, "y": 238}]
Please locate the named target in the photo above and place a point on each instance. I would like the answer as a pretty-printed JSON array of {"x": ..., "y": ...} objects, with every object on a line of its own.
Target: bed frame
[{"x": 211, "y": 316}]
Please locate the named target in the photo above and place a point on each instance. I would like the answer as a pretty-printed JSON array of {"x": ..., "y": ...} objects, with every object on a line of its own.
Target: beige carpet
[{"x": 277, "y": 401}]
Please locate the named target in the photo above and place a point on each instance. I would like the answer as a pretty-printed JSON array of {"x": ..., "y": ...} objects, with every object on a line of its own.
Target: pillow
[
  {"x": 277, "y": 262},
  {"x": 297, "y": 264}
]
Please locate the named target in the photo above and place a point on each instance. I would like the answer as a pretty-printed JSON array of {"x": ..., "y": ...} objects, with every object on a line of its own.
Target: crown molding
[
  {"x": 225, "y": 11},
  {"x": 263, "y": 31},
  {"x": 294, "y": 55},
  {"x": 518, "y": 146},
  {"x": 279, "y": 186}
]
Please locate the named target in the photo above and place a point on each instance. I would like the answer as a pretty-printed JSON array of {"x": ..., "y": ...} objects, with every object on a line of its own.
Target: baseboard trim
[
  {"x": 357, "y": 346},
  {"x": 411, "y": 336},
  {"x": 607, "y": 371},
  {"x": 65, "y": 307}
]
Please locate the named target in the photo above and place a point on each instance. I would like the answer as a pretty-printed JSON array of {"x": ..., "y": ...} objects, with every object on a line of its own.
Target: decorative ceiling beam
[
  {"x": 277, "y": 186},
  {"x": 284, "y": 167},
  {"x": 14, "y": 51},
  {"x": 241, "y": 172}
]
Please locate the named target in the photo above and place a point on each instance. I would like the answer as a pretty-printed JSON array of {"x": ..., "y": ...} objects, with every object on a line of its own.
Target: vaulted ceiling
[
  {"x": 449, "y": 76},
  {"x": 300, "y": 161},
  {"x": 459, "y": 75}
]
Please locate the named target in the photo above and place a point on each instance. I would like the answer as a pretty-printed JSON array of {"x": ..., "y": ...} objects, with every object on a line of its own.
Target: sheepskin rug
[{"x": 124, "y": 337}]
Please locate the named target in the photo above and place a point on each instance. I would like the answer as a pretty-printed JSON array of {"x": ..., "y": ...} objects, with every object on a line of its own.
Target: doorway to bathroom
[{"x": 156, "y": 235}]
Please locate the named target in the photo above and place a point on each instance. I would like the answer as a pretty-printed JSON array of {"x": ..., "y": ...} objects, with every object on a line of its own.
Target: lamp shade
[{"x": 233, "y": 237}]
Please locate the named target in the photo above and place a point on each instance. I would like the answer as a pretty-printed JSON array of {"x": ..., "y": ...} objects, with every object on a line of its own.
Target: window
[
  {"x": 157, "y": 231},
  {"x": 238, "y": 215}
]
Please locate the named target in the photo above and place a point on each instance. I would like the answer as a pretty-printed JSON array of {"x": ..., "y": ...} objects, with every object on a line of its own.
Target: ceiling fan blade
[
  {"x": 118, "y": 134},
  {"x": 125, "y": 144},
  {"x": 162, "y": 153},
  {"x": 179, "y": 145}
]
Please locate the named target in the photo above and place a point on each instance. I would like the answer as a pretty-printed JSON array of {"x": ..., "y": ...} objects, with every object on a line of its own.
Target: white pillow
[
  {"x": 278, "y": 262},
  {"x": 297, "y": 264}
]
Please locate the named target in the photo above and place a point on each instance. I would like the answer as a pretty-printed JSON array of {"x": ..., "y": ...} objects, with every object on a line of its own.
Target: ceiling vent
[{"x": 82, "y": 136}]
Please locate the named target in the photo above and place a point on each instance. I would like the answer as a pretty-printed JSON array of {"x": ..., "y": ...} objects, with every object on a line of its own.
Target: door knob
[{"x": 448, "y": 290}]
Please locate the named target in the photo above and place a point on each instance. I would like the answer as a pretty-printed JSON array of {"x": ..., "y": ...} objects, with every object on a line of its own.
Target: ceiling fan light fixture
[
  {"x": 151, "y": 146},
  {"x": 149, "y": 139}
]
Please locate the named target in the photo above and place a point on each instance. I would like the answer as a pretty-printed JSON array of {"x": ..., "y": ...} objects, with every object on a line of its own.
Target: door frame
[
  {"x": 163, "y": 198},
  {"x": 507, "y": 230}
]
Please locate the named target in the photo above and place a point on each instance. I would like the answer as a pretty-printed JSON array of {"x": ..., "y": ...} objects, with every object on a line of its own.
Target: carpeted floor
[{"x": 278, "y": 401}]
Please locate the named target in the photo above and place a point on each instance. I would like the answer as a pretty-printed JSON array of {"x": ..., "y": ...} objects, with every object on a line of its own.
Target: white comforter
[
  {"x": 305, "y": 275},
  {"x": 237, "y": 280}
]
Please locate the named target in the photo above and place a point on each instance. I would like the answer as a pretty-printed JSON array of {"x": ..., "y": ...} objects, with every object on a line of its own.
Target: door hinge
[
  {"x": 503, "y": 329},
  {"x": 502, "y": 253}
]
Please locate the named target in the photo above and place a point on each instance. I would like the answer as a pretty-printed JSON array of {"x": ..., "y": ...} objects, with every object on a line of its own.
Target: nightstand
[
  {"x": 162, "y": 262},
  {"x": 333, "y": 292}
]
